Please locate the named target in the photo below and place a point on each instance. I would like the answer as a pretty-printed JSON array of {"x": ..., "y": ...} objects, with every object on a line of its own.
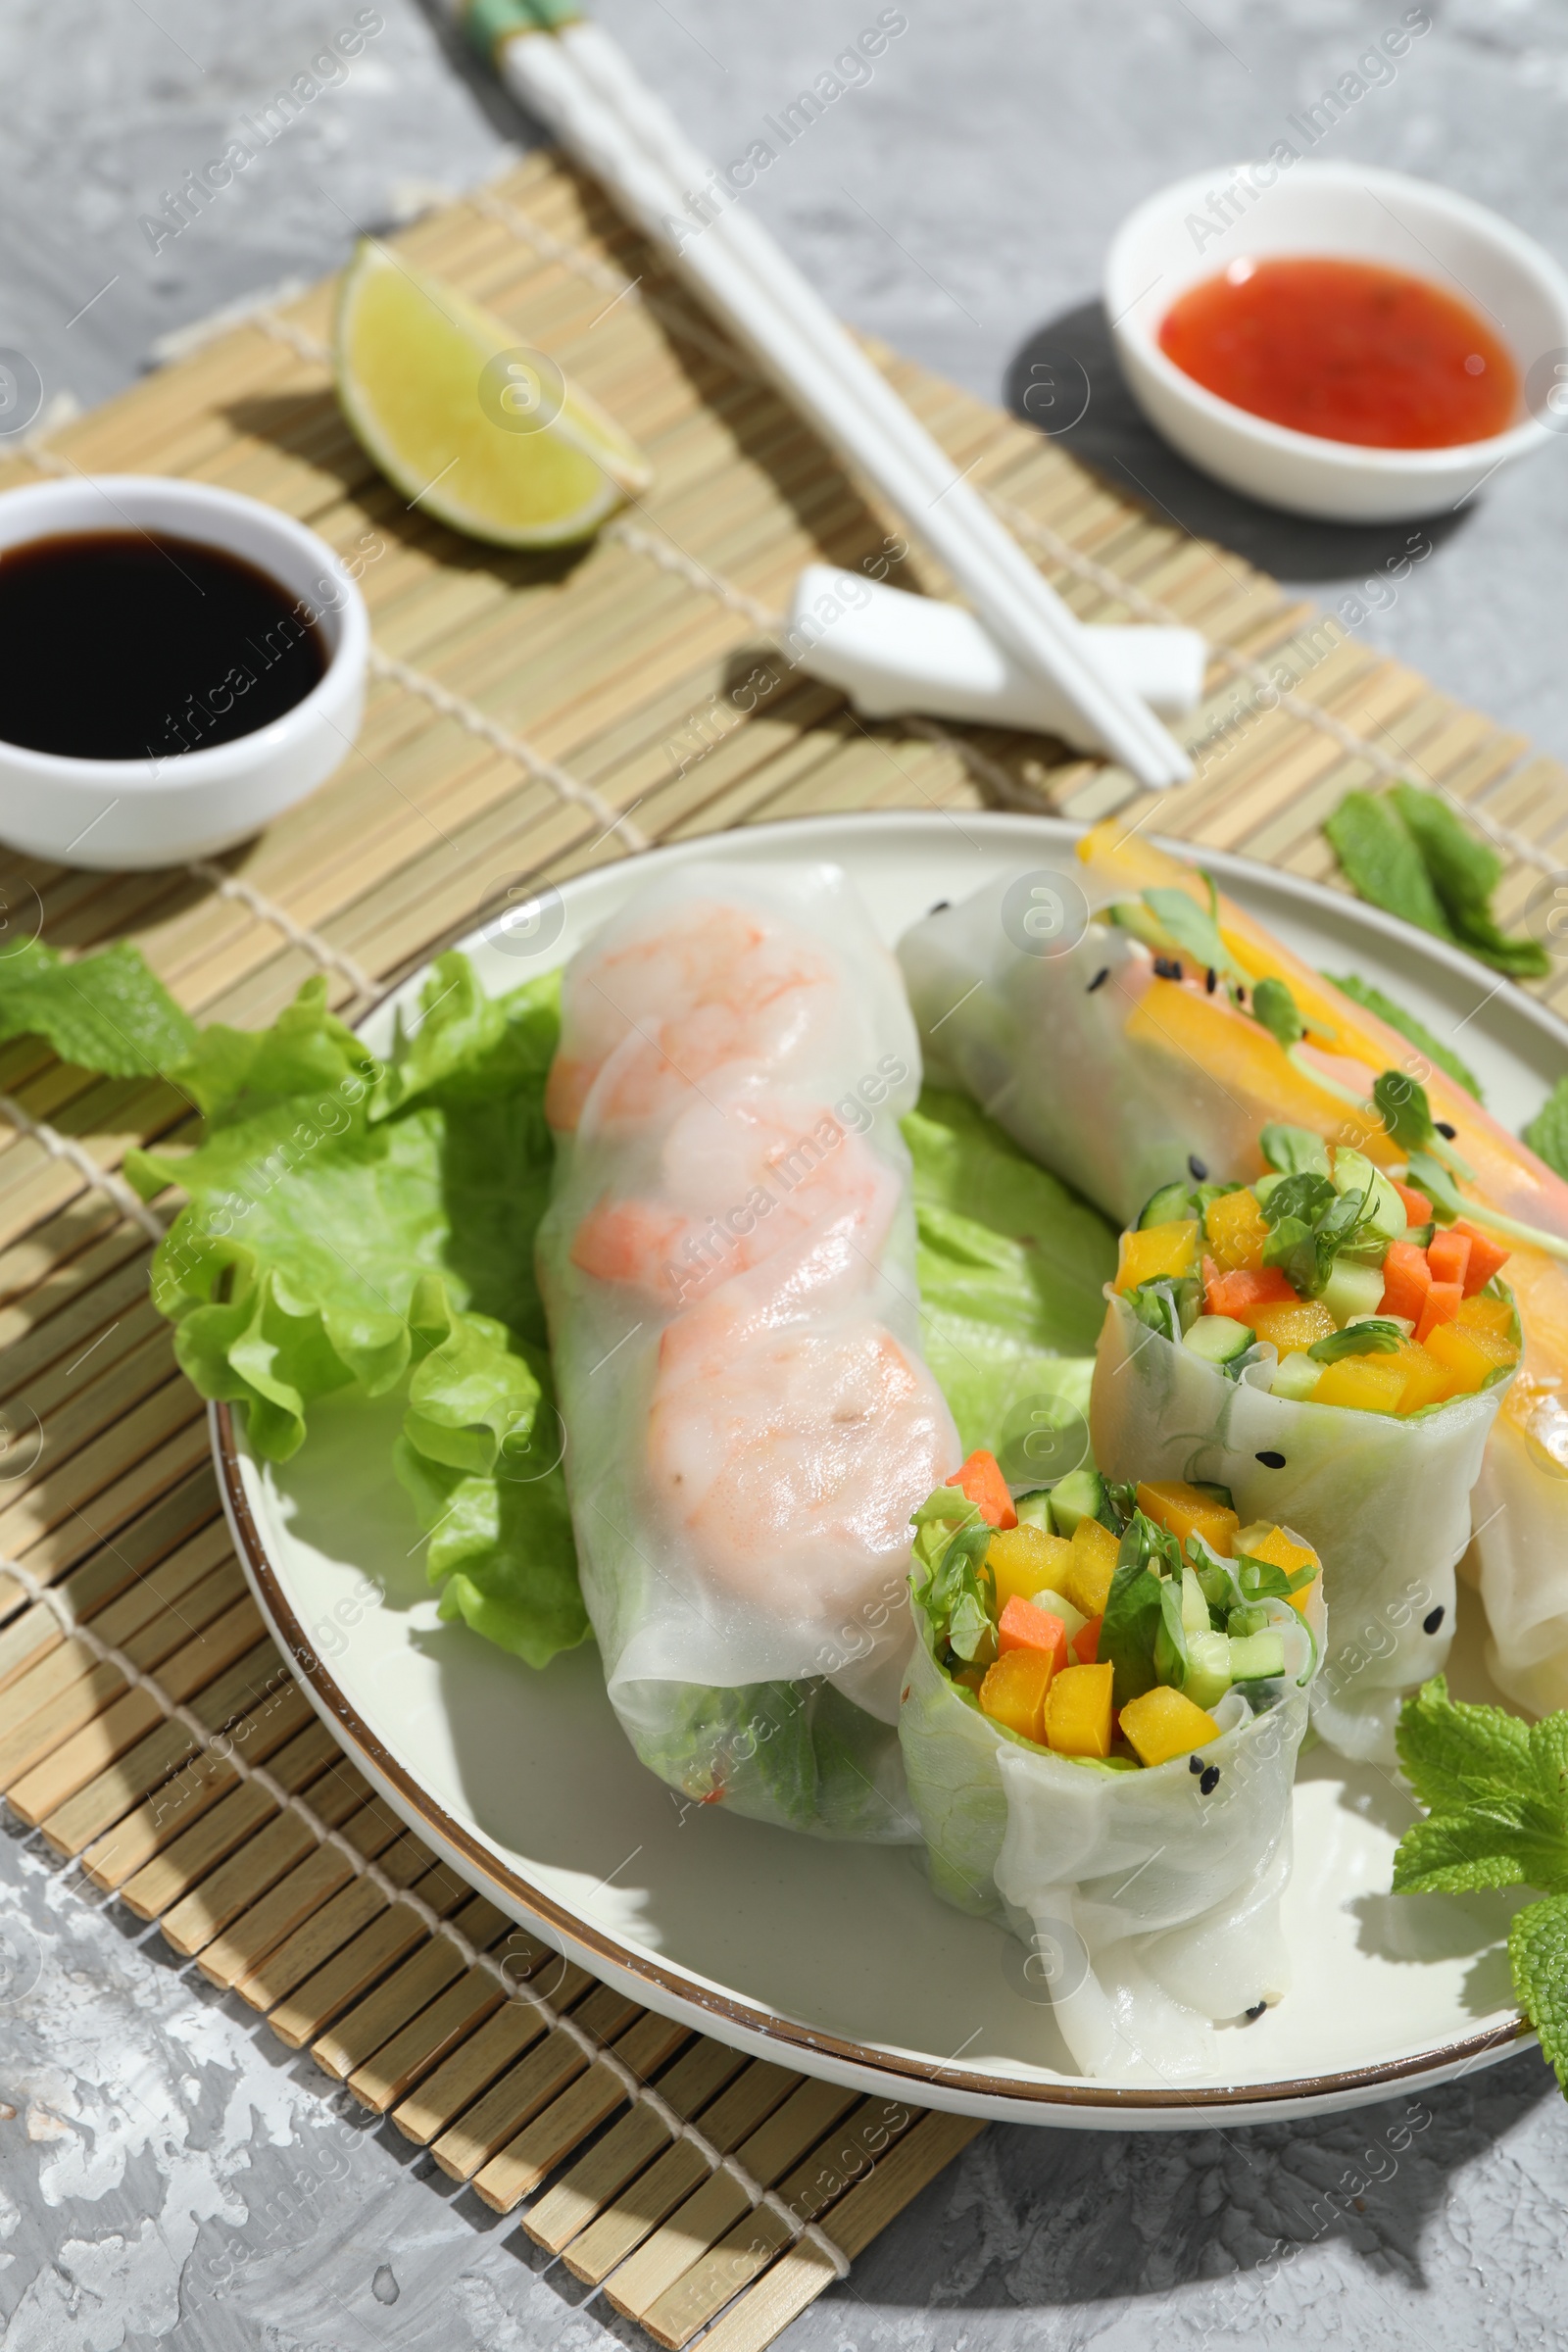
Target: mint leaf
[
  {"x": 1394, "y": 1016},
  {"x": 1453, "y": 1853},
  {"x": 1293, "y": 1150},
  {"x": 1548, "y": 1132},
  {"x": 1194, "y": 930},
  {"x": 1464, "y": 872},
  {"x": 1446, "y": 1746},
  {"x": 1383, "y": 864},
  {"x": 1406, "y": 1112},
  {"x": 106, "y": 1011},
  {"x": 1538, "y": 1955},
  {"x": 1275, "y": 1007}
]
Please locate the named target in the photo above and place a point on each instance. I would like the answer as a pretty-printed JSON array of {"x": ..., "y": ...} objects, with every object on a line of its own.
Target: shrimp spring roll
[
  {"x": 728, "y": 1268},
  {"x": 1100, "y": 1721},
  {"x": 1147, "y": 1030},
  {"x": 1319, "y": 1344}
]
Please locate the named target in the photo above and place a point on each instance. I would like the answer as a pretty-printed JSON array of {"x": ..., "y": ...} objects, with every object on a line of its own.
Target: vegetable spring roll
[
  {"x": 1106, "y": 1696},
  {"x": 727, "y": 1265},
  {"x": 1205, "y": 1029},
  {"x": 1319, "y": 1345}
]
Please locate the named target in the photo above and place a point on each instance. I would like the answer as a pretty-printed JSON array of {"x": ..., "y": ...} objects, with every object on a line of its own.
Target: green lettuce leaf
[
  {"x": 104, "y": 1012},
  {"x": 1373, "y": 1000},
  {"x": 350, "y": 1225},
  {"x": 1011, "y": 1267}
]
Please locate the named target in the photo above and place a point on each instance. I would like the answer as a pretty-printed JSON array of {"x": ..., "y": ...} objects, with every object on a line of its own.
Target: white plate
[{"x": 838, "y": 1959}]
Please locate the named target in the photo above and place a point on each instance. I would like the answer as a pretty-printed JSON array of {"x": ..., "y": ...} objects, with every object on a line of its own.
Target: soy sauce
[{"x": 137, "y": 645}]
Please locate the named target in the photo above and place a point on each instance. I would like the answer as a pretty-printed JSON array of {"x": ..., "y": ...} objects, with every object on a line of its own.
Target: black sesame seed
[
  {"x": 1241, "y": 994},
  {"x": 1210, "y": 980},
  {"x": 1444, "y": 1129},
  {"x": 941, "y": 906},
  {"x": 1167, "y": 968},
  {"x": 1432, "y": 1619},
  {"x": 1194, "y": 1763},
  {"x": 1099, "y": 978},
  {"x": 1256, "y": 2012},
  {"x": 1210, "y": 1780},
  {"x": 1197, "y": 1168},
  {"x": 1271, "y": 1460}
]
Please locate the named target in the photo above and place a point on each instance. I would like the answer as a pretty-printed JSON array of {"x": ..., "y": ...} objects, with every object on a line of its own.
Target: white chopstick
[{"x": 583, "y": 84}]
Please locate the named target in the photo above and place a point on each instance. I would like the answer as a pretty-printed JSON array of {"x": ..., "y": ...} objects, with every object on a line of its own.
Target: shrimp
[
  {"x": 786, "y": 1453},
  {"x": 689, "y": 994},
  {"x": 742, "y": 1179}
]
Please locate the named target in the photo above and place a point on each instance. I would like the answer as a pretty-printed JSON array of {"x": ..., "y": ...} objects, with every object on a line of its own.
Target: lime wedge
[{"x": 470, "y": 425}]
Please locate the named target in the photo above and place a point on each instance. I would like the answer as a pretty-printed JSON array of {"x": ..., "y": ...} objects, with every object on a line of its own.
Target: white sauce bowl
[
  {"x": 115, "y": 814},
  {"x": 1352, "y": 213}
]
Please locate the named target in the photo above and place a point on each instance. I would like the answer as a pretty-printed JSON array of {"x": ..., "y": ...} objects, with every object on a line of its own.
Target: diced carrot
[
  {"x": 1417, "y": 1208},
  {"x": 1448, "y": 1254},
  {"x": 981, "y": 1479},
  {"x": 1235, "y": 1294},
  {"x": 1487, "y": 1257},
  {"x": 1021, "y": 1626},
  {"x": 1084, "y": 1644},
  {"x": 1406, "y": 1280},
  {"x": 1442, "y": 1305}
]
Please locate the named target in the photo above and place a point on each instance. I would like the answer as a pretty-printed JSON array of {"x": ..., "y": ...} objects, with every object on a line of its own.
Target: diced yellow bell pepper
[
  {"x": 1236, "y": 1232},
  {"x": 1482, "y": 1313},
  {"x": 1298, "y": 1325},
  {"x": 1187, "y": 1511},
  {"x": 1091, "y": 1568},
  {"x": 1427, "y": 1381},
  {"x": 1281, "y": 1550},
  {"x": 1471, "y": 1356},
  {"x": 1159, "y": 1250},
  {"x": 1014, "y": 1692},
  {"x": 1078, "y": 1710},
  {"x": 1368, "y": 1383},
  {"x": 1163, "y": 1723},
  {"x": 1024, "y": 1560}
]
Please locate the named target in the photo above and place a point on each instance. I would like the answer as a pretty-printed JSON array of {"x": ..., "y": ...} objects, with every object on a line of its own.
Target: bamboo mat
[{"x": 530, "y": 719}]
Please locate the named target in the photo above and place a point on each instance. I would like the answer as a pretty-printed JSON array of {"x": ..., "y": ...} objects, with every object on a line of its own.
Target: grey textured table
[{"x": 169, "y": 2173}]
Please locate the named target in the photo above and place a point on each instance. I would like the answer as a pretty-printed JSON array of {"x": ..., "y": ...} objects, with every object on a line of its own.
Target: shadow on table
[{"x": 1064, "y": 379}]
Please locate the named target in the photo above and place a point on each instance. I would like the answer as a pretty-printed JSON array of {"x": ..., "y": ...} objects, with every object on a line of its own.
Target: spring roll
[
  {"x": 728, "y": 1269},
  {"x": 1304, "y": 1342},
  {"x": 1099, "y": 1726},
  {"x": 1205, "y": 1030}
]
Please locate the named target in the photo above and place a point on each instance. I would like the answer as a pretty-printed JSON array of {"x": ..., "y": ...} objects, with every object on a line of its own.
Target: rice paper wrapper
[
  {"x": 1521, "y": 1551},
  {"x": 728, "y": 1268},
  {"x": 1386, "y": 1504},
  {"x": 1150, "y": 1911},
  {"x": 1050, "y": 1018}
]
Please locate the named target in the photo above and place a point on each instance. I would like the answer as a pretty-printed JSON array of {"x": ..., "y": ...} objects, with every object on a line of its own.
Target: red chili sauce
[{"x": 1345, "y": 349}]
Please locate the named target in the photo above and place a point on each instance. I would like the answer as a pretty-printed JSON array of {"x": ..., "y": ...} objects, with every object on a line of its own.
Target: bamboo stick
[
  {"x": 540, "y": 2077},
  {"x": 238, "y": 1818},
  {"x": 400, "y": 2001},
  {"x": 598, "y": 2179},
  {"x": 523, "y": 2163}
]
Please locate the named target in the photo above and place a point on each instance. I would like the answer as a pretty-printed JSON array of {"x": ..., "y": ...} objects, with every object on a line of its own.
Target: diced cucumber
[
  {"x": 1352, "y": 1290},
  {"x": 1208, "y": 1668},
  {"x": 1104, "y": 1763},
  {"x": 1296, "y": 1377},
  {"x": 1242, "y": 1623},
  {"x": 1033, "y": 1511},
  {"x": 1056, "y": 1605},
  {"x": 1195, "y": 1607},
  {"x": 1214, "y": 1490},
  {"x": 1419, "y": 1236},
  {"x": 1257, "y": 1658},
  {"x": 1171, "y": 1201},
  {"x": 1382, "y": 1212},
  {"x": 1081, "y": 1495},
  {"x": 1217, "y": 1339}
]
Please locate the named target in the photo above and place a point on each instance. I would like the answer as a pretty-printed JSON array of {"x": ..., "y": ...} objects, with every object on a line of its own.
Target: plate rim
[{"x": 724, "y": 2013}]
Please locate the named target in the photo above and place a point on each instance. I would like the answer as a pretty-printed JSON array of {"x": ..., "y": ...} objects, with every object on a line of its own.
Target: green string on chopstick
[{"x": 491, "y": 24}]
